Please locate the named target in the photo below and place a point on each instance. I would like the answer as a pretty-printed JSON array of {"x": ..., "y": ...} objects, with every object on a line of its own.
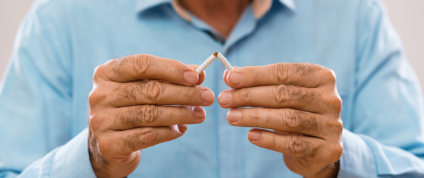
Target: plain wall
[{"x": 407, "y": 16}]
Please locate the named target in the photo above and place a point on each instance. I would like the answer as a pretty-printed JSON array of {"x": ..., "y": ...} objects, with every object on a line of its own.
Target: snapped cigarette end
[
  {"x": 211, "y": 58},
  {"x": 215, "y": 53}
]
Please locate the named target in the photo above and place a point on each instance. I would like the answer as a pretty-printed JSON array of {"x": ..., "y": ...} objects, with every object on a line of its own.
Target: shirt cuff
[
  {"x": 357, "y": 159},
  {"x": 72, "y": 159}
]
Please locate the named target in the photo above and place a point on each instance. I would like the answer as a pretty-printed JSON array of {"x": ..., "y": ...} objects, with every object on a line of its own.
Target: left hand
[{"x": 299, "y": 101}]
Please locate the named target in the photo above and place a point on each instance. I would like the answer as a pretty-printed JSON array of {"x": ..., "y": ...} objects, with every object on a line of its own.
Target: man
[{"x": 148, "y": 95}]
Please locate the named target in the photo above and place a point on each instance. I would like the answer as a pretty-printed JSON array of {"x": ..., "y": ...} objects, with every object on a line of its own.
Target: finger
[
  {"x": 202, "y": 76},
  {"x": 151, "y": 115},
  {"x": 143, "y": 66},
  {"x": 182, "y": 128},
  {"x": 226, "y": 73},
  {"x": 310, "y": 148},
  {"x": 281, "y": 96},
  {"x": 128, "y": 141},
  {"x": 300, "y": 74},
  {"x": 287, "y": 120},
  {"x": 159, "y": 93}
]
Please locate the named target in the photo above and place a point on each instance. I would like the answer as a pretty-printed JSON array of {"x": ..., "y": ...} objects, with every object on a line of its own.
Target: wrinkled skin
[
  {"x": 142, "y": 100},
  {"x": 299, "y": 101},
  {"x": 127, "y": 112}
]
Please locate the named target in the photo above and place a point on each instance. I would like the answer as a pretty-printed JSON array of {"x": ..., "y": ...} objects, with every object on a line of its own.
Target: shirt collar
[
  {"x": 289, "y": 4},
  {"x": 143, "y": 5}
]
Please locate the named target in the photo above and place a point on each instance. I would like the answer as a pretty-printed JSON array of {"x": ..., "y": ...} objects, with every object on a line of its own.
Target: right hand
[{"x": 130, "y": 109}]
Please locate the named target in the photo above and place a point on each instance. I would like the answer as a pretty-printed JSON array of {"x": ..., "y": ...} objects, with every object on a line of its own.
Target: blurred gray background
[{"x": 407, "y": 17}]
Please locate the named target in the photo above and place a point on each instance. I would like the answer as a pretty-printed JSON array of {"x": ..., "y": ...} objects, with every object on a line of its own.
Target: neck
[{"x": 222, "y": 15}]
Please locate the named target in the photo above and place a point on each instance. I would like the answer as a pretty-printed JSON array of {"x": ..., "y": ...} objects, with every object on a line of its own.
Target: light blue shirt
[{"x": 43, "y": 96}]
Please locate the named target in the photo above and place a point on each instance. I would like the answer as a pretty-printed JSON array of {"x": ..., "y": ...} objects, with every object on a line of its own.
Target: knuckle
[
  {"x": 92, "y": 98},
  {"x": 152, "y": 90},
  {"x": 329, "y": 76},
  {"x": 181, "y": 111},
  {"x": 338, "y": 103},
  {"x": 148, "y": 135},
  {"x": 291, "y": 118},
  {"x": 254, "y": 118},
  {"x": 186, "y": 92},
  {"x": 95, "y": 97},
  {"x": 137, "y": 116},
  {"x": 266, "y": 120},
  {"x": 142, "y": 63},
  {"x": 304, "y": 148},
  {"x": 338, "y": 151},
  {"x": 149, "y": 90},
  {"x": 334, "y": 128},
  {"x": 95, "y": 122},
  {"x": 281, "y": 93},
  {"x": 284, "y": 93},
  {"x": 104, "y": 145},
  {"x": 246, "y": 95},
  {"x": 295, "y": 146},
  {"x": 301, "y": 121},
  {"x": 335, "y": 103},
  {"x": 280, "y": 71},
  {"x": 98, "y": 72},
  {"x": 338, "y": 126},
  {"x": 149, "y": 114},
  {"x": 274, "y": 142}
]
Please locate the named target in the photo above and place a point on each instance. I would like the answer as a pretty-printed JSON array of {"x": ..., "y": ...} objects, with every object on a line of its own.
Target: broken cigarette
[
  {"x": 211, "y": 58},
  {"x": 205, "y": 64},
  {"x": 224, "y": 61}
]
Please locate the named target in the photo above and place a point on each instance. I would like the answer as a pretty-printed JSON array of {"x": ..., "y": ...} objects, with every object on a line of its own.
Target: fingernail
[
  {"x": 190, "y": 77},
  {"x": 199, "y": 112},
  {"x": 182, "y": 128},
  {"x": 234, "y": 115},
  {"x": 254, "y": 135},
  {"x": 236, "y": 78},
  {"x": 207, "y": 95},
  {"x": 225, "y": 97}
]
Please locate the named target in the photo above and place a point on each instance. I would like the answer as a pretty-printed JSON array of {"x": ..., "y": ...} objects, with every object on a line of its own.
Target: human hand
[
  {"x": 299, "y": 101},
  {"x": 130, "y": 109}
]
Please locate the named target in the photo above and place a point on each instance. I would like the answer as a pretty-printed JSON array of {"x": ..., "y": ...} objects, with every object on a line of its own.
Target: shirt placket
[{"x": 231, "y": 152}]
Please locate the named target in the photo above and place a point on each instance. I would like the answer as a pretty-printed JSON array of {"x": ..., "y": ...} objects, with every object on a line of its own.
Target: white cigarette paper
[
  {"x": 205, "y": 64},
  {"x": 211, "y": 58},
  {"x": 224, "y": 61}
]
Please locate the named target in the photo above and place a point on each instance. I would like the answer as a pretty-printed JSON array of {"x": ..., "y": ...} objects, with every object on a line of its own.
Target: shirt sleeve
[
  {"x": 35, "y": 101},
  {"x": 386, "y": 122}
]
